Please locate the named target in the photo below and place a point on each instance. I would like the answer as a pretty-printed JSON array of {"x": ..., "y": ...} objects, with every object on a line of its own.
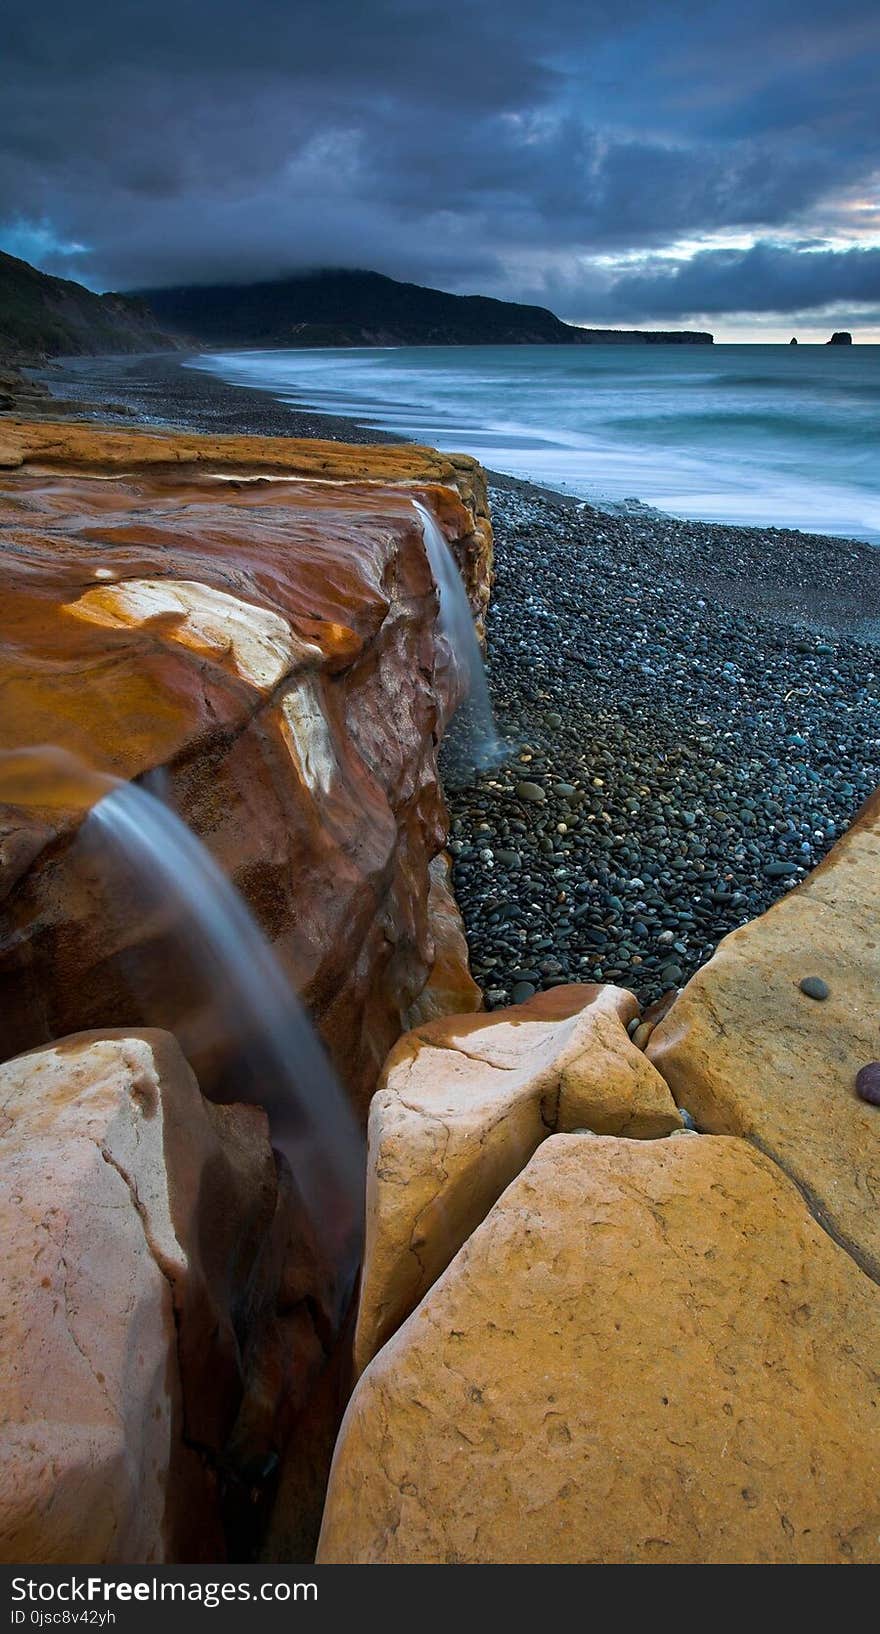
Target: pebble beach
[{"x": 692, "y": 722}]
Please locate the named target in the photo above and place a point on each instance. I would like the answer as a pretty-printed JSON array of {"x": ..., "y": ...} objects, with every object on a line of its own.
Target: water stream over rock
[
  {"x": 246, "y": 1002},
  {"x": 476, "y": 744}
]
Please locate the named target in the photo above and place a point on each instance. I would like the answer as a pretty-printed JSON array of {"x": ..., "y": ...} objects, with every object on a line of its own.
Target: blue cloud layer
[{"x": 524, "y": 150}]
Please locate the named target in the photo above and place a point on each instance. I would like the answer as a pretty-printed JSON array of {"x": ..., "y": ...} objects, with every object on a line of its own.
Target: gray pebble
[
  {"x": 531, "y": 792},
  {"x": 522, "y": 991}
]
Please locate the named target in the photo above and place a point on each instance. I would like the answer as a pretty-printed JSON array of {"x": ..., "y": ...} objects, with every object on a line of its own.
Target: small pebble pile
[{"x": 678, "y": 759}]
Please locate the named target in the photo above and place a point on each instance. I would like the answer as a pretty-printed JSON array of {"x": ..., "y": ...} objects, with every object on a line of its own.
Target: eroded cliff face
[{"x": 253, "y": 621}]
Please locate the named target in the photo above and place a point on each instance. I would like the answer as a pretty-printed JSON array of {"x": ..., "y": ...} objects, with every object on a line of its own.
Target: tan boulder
[
  {"x": 649, "y": 1352},
  {"x": 133, "y": 1214},
  {"x": 462, "y": 1105},
  {"x": 748, "y": 1053}
]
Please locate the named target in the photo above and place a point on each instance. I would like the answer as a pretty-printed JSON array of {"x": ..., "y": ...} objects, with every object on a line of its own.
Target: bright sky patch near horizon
[{"x": 667, "y": 164}]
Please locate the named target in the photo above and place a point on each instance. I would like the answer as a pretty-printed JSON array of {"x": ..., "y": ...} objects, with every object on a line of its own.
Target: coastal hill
[
  {"x": 343, "y": 308},
  {"x": 42, "y": 317}
]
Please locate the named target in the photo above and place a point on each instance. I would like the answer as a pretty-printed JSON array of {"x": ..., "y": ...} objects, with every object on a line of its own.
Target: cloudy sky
[{"x": 679, "y": 162}]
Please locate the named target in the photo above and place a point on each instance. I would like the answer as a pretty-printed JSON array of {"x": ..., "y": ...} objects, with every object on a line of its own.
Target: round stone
[
  {"x": 868, "y": 1083},
  {"x": 522, "y": 991},
  {"x": 814, "y": 987},
  {"x": 671, "y": 975},
  {"x": 531, "y": 792}
]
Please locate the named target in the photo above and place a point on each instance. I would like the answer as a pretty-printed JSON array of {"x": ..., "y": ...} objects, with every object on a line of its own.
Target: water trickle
[
  {"x": 247, "y": 1004},
  {"x": 477, "y": 744}
]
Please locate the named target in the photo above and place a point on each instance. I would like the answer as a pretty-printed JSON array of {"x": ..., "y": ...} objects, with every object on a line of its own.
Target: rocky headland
[{"x": 342, "y": 307}]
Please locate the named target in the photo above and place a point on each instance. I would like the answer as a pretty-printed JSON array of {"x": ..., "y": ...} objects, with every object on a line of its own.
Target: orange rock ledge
[{"x": 254, "y": 619}]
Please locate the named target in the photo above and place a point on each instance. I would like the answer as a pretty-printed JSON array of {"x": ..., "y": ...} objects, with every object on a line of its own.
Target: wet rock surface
[
  {"x": 694, "y": 721},
  {"x": 252, "y": 623}
]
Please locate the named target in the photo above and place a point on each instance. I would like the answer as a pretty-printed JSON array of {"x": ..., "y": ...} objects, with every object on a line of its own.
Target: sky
[{"x": 681, "y": 163}]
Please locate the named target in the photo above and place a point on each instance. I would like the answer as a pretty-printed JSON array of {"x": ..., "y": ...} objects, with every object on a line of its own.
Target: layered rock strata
[{"x": 252, "y": 621}]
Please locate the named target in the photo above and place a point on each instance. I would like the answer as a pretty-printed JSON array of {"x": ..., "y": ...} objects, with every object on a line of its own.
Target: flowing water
[
  {"x": 251, "y": 1009},
  {"x": 476, "y": 741},
  {"x": 767, "y": 435}
]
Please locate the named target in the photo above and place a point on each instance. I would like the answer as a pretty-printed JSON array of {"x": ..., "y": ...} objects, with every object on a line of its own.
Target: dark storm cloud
[
  {"x": 492, "y": 144},
  {"x": 765, "y": 278}
]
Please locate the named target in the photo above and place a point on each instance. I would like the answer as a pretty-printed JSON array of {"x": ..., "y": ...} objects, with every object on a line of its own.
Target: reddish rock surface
[{"x": 179, "y": 604}]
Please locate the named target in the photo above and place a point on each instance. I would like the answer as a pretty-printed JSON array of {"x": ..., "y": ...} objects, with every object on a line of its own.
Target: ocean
[{"x": 781, "y": 436}]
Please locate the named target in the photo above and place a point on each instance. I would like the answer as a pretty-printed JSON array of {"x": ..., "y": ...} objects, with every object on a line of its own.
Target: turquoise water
[{"x": 769, "y": 435}]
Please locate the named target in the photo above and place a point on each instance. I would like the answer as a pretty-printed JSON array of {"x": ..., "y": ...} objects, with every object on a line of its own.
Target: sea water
[{"x": 784, "y": 436}]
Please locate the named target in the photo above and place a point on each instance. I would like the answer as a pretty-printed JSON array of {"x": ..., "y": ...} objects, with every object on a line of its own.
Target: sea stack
[{"x": 841, "y": 337}]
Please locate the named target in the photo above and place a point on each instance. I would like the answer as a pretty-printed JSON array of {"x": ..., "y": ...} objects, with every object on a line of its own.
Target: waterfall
[
  {"x": 252, "y": 1011},
  {"x": 478, "y": 742}
]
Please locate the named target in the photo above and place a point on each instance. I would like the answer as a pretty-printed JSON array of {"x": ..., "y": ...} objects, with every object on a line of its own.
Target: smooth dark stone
[
  {"x": 868, "y": 1083},
  {"x": 670, "y": 975},
  {"x": 531, "y": 792},
  {"x": 523, "y": 991},
  {"x": 814, "y": 987}
]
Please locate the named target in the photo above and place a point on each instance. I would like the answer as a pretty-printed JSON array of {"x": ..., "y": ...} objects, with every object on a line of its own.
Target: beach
[{"x": 691, "y": 709}]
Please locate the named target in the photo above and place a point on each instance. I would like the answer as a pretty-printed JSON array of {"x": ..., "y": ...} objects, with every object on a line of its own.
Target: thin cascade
[
  {"x": 254, "y": 1013},
  {"x": 476, "y": 739}
]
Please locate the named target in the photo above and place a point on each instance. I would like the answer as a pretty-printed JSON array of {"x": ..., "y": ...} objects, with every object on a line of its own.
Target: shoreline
[{"x": 693, "y": 709}]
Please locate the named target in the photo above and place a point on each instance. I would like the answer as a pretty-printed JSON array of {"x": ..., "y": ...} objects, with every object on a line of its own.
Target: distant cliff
[
  {"x": 340, "y": 308},
  {"x": 44, "y": 317}
]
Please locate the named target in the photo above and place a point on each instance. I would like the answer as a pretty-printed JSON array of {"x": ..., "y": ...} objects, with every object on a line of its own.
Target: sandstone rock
[
  {"x": 461, "y": 1107},
  {"x": 135, "y": 1216},
  {"x": 748, "y": 1053},
  {"x": 648, "y": 1353},
  {"x": 251, "y": 620},
  {"x": 450, "y": 988}
]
